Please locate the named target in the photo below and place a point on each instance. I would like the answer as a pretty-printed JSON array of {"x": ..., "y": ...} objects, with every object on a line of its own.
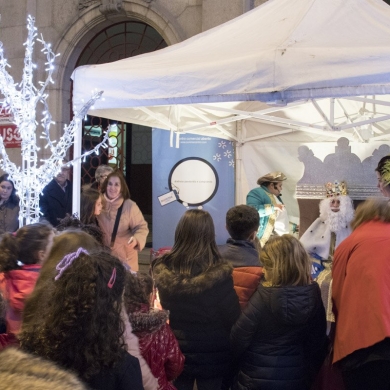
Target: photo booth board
[
  {"x": 302, "y": 198},
  {"x": 199, "y": 174}
]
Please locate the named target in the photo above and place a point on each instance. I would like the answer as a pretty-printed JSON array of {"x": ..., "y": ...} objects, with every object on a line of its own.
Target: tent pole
[
  {"x": 77, "y": 169},
  {"x": 240, "y": 126},
  {"x": 331, "y": 115}
]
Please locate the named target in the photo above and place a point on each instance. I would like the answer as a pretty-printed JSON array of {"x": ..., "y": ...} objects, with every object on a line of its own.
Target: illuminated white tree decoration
[{"x": 21, "y": 100}]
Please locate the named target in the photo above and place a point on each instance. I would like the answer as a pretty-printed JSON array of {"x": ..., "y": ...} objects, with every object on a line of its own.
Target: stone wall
[{"x": 70, "y": 24}]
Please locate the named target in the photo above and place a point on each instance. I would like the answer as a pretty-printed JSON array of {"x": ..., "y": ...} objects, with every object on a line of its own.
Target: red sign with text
[{"x": 9, "y": 132}]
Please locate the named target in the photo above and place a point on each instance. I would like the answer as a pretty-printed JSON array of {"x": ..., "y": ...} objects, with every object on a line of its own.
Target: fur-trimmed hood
[
  {"x": 23, "y": 371},
  {"x": 148, "y": 321},
  {"x": 172, "y": 282}
]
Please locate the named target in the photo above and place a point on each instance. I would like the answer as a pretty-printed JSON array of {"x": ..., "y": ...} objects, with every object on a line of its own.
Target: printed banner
[
  {"x": 197, "y": 174},
  {"x": 9, "y": 132}
]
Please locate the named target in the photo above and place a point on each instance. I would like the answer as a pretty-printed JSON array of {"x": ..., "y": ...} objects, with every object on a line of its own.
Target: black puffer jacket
[
  {"x": 280, "y": 338},
  {"x": 202, "y": 312}
]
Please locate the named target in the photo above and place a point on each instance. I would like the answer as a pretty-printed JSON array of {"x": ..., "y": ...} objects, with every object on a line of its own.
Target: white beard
[{"x": 336, "y": 221}]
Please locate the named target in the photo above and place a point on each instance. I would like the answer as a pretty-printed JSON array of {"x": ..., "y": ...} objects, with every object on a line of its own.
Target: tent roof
[{"x": 279, "y": 53}]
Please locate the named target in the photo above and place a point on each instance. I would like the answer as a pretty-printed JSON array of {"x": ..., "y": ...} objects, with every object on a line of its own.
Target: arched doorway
[{"x": 130, "y": 146}]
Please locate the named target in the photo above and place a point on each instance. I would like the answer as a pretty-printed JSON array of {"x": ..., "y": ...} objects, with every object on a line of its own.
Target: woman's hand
[{"x": 132, "y": 243}]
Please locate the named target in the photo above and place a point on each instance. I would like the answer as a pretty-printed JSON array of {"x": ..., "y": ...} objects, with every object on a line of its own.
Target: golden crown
[{"x": 335, "y": 189}]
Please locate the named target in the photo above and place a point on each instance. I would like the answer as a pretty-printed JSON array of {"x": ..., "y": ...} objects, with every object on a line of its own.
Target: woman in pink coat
[{"x": 132, "y": 228}]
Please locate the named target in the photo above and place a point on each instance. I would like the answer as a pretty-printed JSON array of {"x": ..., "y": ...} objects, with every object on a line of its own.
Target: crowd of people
[{"x": 259, "y": 312}]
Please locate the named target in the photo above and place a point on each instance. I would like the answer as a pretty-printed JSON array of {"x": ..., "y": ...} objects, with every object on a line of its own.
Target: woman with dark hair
[
  {"x": 196, "y": 285},
  {"x": 280, "y": 337},
  {"x": 361, "y": 299},
  {"x": 132, "y": 229},
  {"x": 9, "y": 205},
  {"x": 21, "y": 256},
  {"x": 81, "y": 327},
  {"x": 90, "y": 207},
  {"x": 383, "y": 174}
]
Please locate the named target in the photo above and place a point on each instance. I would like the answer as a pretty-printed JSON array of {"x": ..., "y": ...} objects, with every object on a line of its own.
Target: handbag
[{"x": 116, "y": 224}]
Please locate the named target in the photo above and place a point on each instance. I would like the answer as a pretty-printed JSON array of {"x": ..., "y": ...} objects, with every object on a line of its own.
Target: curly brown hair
[
  {"x": 81, "y": 328},
  {"x": 73, "y": 222},
  {"x": 24, "y": 245},
  {"x": 64, "y": 243},
  {"x": 135, "y": 294}
]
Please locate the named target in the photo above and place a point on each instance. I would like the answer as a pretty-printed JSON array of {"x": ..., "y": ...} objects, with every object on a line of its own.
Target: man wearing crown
[
  {"x": 325, "y": 234},
  {"x": 332, "y": 227}
]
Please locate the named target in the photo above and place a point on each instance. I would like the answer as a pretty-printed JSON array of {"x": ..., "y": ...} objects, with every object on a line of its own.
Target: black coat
[
  {"x": 55, "y": 203},
  {"x": 202, "y": 311},
  {"x": 280, "y": 338},
  {"x": 125, "y": 375}
]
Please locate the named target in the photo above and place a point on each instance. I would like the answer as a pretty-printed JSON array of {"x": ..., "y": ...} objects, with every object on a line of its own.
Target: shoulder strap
[{"x": 117, "y": 218}]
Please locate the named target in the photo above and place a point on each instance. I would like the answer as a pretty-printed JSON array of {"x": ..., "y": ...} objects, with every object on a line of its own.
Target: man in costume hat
[{"x": 267, "y": 200}]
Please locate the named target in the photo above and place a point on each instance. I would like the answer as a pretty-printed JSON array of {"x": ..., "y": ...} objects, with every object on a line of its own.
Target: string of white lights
[{"x": 20, "y": 101}]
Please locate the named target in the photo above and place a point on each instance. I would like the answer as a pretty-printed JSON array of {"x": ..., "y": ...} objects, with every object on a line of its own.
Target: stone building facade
[
  {"x": 97, "y": 31},
  {"x": 69, "y": 25}
]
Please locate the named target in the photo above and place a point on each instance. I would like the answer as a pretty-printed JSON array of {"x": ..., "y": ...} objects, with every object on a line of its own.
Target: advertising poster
[{"x": 198, "y": 174}]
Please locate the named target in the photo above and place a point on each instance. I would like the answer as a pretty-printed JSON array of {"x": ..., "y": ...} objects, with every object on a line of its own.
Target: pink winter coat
[
  {"x": 132, "y": 223},
  {"x": 17, "y": 285},
  {"x": 158, "y": 345}
]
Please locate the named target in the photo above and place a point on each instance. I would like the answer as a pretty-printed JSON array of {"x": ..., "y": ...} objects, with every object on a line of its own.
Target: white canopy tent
[{"x": 311, "y": 67}]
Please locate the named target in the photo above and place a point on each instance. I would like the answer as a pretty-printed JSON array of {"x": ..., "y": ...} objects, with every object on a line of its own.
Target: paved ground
[{"x": 144, "y": 260}]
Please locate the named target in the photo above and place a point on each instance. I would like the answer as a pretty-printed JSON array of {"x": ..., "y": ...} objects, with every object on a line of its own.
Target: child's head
[
  {"x": 195, "y": 248},
  {"x": 90, "y": 205},
  {"x": 242, "y": 222},
  {"x": 30, "y": 244},
  {"x": 147, "y": 283},
  {"x": 286, "y": 262},
  {"x": 135, "y": 295},
  {"x": 81, "y": 327},
  {"x": 65, "y": 242},
  {"x": 195, "y": 226}
]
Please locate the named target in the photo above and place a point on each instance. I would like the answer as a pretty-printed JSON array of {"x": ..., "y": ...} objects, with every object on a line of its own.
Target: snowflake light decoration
[{"x": 21, "y": 100}]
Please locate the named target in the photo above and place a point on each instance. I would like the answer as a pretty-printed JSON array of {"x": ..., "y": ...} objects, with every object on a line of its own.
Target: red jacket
[
  {"x": 17, "y": 286},
  {"x": 158, "y": 345},
  {"x": 8, "y": 340},
  {"x": 361, "y": 288},
  {"x": 246, "y": 280}
]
